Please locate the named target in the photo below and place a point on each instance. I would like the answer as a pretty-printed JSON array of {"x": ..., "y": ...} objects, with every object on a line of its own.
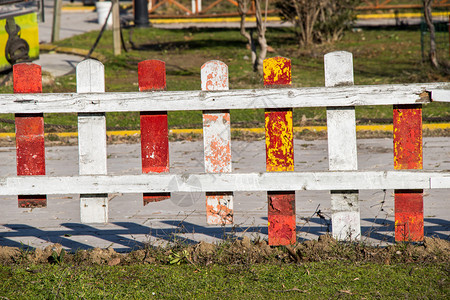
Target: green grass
[
  {"x": 320, "y": 280},
  {"x": 380, "y": 57}
]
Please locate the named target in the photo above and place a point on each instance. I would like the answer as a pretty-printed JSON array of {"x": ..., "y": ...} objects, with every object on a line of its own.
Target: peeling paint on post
[
  {"x": 30, "y": 146},
  {"x": 217, "y": 144},
  {"x": 408, "y": 155},
  {"x": 154, "y": 126},
  {"x": 342, "y": 149},
  {"x": 279, "y": 155}
]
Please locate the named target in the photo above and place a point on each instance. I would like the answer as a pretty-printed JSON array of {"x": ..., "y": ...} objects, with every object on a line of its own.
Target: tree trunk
[
  {"x": 257, "y": 60},
  {"x": 429, "y": 21},
  {"x": 243, "y": 9},
  {"x": 261, "y": 30}
]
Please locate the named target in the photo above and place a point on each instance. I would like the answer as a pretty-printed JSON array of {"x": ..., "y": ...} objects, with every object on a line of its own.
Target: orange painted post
[
  {"x": 408, "y": 155},
  {"x": 217, "y": 144},
  {"x": 154, "y": 126},
  {"x": 30, "y": 146},
  {"x": 279, "y": 155}
]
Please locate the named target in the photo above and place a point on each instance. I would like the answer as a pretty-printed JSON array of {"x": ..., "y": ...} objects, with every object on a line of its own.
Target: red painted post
[
  {"x": 279, "y": 155},
  {"x": 408, "y": 155},
  {"x": 30, "y": 148},
  {"x": 154, "y": 127}
]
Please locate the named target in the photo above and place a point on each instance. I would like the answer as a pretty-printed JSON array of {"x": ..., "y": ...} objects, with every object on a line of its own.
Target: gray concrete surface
[
  {"x": 72, "y": 23},
  {"x": 183, "y": 217}
]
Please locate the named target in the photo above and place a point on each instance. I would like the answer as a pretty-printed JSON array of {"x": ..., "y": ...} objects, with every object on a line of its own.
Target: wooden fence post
[
  {"x": 116, "y": 27},
  {"x": 279, "y": 155},
  {"x": 92, "y": 141},
  {"x": 342, "y": 150},
  {"x": 154, "y": 126},
  {"x": 217, "y": 144},
  {"x": 30, "y": 145},
  {"x": 408, "y": 155}
]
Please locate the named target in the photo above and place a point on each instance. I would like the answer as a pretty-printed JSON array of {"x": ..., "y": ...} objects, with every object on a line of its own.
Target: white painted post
[
  {"x": 217, "y": 144},
  {"x": 92, "y": 142},
  {"x": 341, "y": 127}
]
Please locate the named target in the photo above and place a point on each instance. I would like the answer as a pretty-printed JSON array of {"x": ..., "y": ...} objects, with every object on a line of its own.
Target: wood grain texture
[
  {"x": 217, "y": 144},
  {"x": 251, "y": 182},
  {"x": 342, "y": 153},
  {"x": 30, "y": 148},
  {"x": 279, "y": 155},
  {"x": 219, "y": 100},
  {"x": 92, "y": 142},
  {"x": 154, "y": 126},
  {"x": 440, "y": 95}
]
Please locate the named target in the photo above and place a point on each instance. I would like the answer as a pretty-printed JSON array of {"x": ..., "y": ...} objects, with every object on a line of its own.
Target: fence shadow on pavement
[{"x": 127, "y": 236}]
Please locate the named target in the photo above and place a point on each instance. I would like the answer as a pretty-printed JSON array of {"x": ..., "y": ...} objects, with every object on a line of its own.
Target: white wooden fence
[{"x": 339, "y": 96}]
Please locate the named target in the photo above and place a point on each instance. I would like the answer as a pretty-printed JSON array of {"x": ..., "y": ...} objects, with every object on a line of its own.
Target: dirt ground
[{"x": 238, "y": 251}]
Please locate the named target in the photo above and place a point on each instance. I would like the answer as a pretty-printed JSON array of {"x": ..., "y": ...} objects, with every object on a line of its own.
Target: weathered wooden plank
[
  {"x": 154, "y": 126},
  {"x": 281, "y": 181},
  {"x": 217, "y": 144},
  {"x": 440, "y": 95},
  {"x": 440, "y": 183},
  {"x": 342, "y": 153},
  {"x": 232, "y": 99},
  {"x": 279, "y": 155},
  {"x": 408, "y": 155},
  {"x": 92, "y": 142},
  {"x": 30, "y": 148}
]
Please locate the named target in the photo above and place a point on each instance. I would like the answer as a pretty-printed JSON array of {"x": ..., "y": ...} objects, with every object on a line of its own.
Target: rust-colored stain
[
  {"x": 408, "y": 155},
  {"x": 30, "y": 148},
  {"x": 408, "y": 137},
  {"x": 217, "y": 76},
  {"x": 279, "y": 141},
  {"x": 217, "y": 144},
  {"x": 219, "y": 210},
  {"x": 154, "y": 126},
  {"x": 218, "y": 154},
  {"x": 208, "y": 119},
  {"x": 277, "y": 71},
  {"x": 409, "y": 215}
]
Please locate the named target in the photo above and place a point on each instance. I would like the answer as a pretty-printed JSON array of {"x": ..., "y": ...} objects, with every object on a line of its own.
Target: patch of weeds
[
  {"x": 52, "y": 137},
  {"x": 178, "y": 257},
  {"x": 57, "y": 258}
]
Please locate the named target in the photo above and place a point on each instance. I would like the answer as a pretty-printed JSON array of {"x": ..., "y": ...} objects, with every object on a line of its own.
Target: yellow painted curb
[
  {"x": 251, "y": 19},
  {"x": 208, "y": 20},
  {"x": 69, "y": 50},
  {"x": 249, "y": 130},
  {"x": 88, "y": 8},
  {"x": 399, "y": 15},
  {"x": 77, "y": 8}
]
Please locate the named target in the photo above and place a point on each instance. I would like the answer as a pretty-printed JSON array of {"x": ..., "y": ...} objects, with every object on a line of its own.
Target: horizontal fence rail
[
  {"x": 280, "y": 181},
  {"x": 220, "y": 100},
  {"x": 245, "y": 182}
]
